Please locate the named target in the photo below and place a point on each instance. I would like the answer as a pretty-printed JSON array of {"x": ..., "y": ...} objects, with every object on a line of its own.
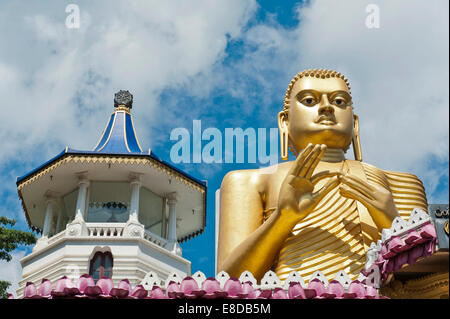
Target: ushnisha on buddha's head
[{"x": 318, "y": 109}]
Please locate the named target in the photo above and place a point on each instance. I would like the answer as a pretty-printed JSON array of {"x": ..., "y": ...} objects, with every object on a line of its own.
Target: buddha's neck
[{"x": 333, "y": 155}]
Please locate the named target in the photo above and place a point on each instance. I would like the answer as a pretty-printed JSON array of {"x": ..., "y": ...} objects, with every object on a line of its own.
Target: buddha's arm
[{"x": 245, "y": 243}]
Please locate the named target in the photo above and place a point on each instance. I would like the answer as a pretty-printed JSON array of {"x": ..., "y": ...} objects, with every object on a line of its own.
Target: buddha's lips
[{"x": 326, "y": 120}]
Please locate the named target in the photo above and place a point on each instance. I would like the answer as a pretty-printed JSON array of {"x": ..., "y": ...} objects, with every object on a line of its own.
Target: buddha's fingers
[
  {"x": 319, "y": 176},
  {"x": 358, "y": 180},
  {"x": 299, "y": 161},
  {"x": 321, "y": 193},
  {"x": 348, "y": 192},
  {"x": 359, "y": 185},
  {"x": 309, "y": 160},
  {"x": 316, "y": 161}
]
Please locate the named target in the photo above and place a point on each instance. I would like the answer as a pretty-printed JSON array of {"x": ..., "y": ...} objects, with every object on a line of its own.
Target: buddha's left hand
[{"x": 377, "y": 199}]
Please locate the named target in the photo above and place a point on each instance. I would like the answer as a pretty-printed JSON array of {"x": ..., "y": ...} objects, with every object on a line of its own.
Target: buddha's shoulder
[
  {"x": 389, "y": 175},
  {"x": 256, "y": 177}
]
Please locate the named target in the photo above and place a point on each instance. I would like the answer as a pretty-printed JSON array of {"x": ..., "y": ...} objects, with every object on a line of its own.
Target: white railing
[
  {"x": 155, "y": 239},
  {"x": 113, "y": 230},
  {"x": 105, "y": 229}
]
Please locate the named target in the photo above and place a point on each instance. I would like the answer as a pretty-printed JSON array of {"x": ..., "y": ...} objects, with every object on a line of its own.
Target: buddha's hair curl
[{"x": 318, "y": 73}]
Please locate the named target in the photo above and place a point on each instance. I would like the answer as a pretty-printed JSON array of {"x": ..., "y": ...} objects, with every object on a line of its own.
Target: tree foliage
[{"x": 10, "y": 239}]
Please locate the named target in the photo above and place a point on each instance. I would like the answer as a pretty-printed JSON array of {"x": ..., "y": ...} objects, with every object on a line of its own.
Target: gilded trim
[
  {"x": 110, "y": 159},
  {"x": 125, "y": 138},
  {"x": 122, "y": 108}
]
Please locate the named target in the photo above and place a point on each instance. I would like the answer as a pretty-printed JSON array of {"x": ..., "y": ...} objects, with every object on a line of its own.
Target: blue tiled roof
[{"x": 119, "y": 136}]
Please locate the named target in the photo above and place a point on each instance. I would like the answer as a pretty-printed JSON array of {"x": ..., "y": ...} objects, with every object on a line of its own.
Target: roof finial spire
[{"x": 123, "y": 98}]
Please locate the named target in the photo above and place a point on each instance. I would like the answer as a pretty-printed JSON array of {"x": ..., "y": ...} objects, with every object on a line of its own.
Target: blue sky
[{"x": 227, "y": 64}]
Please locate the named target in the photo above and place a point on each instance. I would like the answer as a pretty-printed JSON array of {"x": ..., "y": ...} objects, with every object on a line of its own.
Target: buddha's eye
[
  {"x": 339, "y": 101},
  {"x": 308, "y": 101}
]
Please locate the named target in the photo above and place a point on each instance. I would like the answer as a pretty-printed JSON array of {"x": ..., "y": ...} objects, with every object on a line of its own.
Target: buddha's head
[{"x": 318, "y": 109}]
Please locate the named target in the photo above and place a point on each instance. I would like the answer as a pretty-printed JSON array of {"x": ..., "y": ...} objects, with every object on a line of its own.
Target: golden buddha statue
[{"x": 321, "y": 211}]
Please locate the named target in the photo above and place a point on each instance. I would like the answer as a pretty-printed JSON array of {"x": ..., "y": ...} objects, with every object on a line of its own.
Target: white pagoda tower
[{"x": 115, "y": 211}]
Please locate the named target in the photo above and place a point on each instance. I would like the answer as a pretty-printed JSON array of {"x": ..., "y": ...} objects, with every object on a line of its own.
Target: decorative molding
[
  {"x": 176, "y": 286},
  {"x": 129, "y": 160},
  {"x": 433, "y": 286}
]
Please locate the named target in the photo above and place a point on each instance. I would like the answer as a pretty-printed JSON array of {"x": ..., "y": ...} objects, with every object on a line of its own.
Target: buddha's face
[{"x": 320, "y": 112}]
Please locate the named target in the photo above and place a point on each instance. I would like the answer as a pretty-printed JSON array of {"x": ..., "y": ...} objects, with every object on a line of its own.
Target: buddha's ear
[
  {"x": 355, "y": 139},
  {"x": 284, "y": 134}
]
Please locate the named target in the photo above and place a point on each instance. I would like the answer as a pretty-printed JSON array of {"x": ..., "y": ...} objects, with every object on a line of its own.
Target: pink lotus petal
[
  {"x": 279, "y": 293},
  {"x": 125, "y": 284},
  {"x": 348, "y": 295},
  {"x": 247, "y": 288},
  {"x": 179, "y": 294},
  {"x": 157, "y": 293},
  {"x": 414, "y": 254},
  {"x": 92, "y": 291},
  {"x": 265, "y": 294},
  {"x": 317, "y": 285},
  {"x": 45, "y": 289},
  {"x": 106, "y": 284},
  {"x": 172, "y": 289},
  {"x": 119, "y": 292},
  {"x": 335, "y": 288},
  {"x": 428, "y": 231},
  {"x": 188, "y": 285},
  {"x": 10, "y": 296},
  {"x": 70, "y": 292},
  {"x": 296, "y": 291},
  {"x": 412, "y": 237},
  {"x": 30, "y": 290},
  {"x": 396, "y": 244},
  {"x": 371, "y": 292},
  {"x": 62, "y": 283},
  {"x": 233, "y": 287},
  {"x": 84, "y": 281},
  {"x": 210, "y": 285},
  {"x": 139, "y": 292},
  {"x": 310, "y": 293},
  {"x": 400, "y": 260},
  {"x": 357, "y": 288},
  {"x": 428, "y": 248}
]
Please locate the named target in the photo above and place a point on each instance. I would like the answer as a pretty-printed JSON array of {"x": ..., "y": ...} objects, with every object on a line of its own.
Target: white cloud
[{"x": 144, "y": 46}]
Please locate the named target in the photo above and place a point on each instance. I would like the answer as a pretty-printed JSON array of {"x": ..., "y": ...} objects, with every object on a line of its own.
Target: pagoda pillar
[
  {"x": 172, "y": 225},
  {"x": 134, "y": 204},
  {"x": 80, "y": 211},
  {"x": 49, "y": 217}
]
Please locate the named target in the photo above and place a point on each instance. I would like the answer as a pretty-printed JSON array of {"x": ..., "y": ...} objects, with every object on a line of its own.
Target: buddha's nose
[{"x": 325, "y": 106}]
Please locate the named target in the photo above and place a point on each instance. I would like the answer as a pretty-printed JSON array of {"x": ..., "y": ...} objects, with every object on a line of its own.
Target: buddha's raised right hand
[{"x": 297, "y": 199}]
